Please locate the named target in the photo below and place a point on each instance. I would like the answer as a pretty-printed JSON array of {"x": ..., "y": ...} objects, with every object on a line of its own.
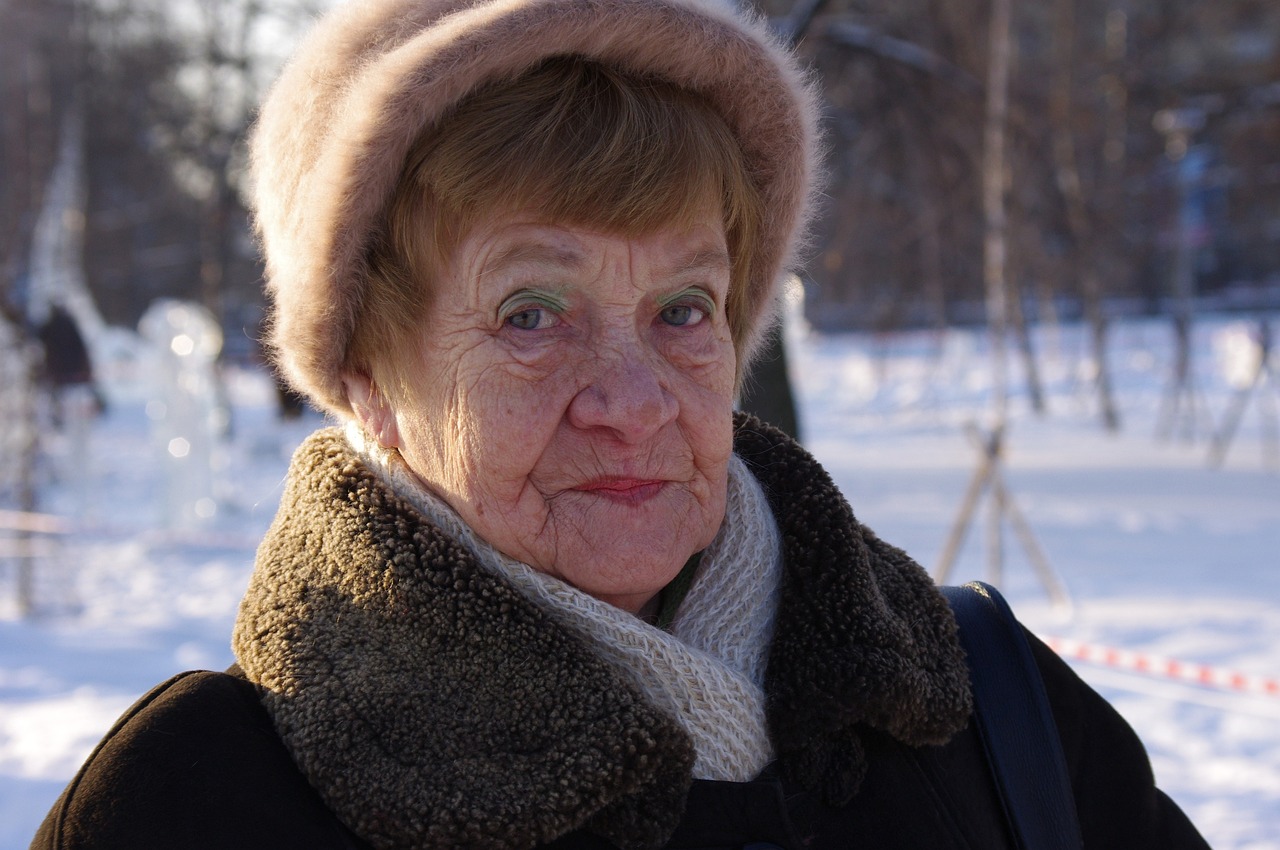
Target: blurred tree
[
  {"x": 142, "y": 221},
  {"x": 1091, "y": 212},
  {"x": 995, "y": 184},
  {"x": 37, "y": 76},
  {"x": 234, "y": 48},
  {"x": 168, "y": 90},
  {"x": 769, "y": 394},
  {"x": 174, "y": 90},
  {"x": 38, "y": 73},
  {"x": 1081, "y": 263}
]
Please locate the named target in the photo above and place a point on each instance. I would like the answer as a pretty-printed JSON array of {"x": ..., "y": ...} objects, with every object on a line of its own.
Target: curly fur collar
[{"x": 432, "y": 705}]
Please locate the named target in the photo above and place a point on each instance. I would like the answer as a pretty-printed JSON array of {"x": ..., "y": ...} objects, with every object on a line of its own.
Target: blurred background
[{"x": 1033, "y": 343}]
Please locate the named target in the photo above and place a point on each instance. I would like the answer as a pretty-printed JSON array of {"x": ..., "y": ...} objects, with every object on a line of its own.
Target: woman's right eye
[
  {"x": 531, "y": 310},
  {"x": 532, "y": 319},
  {"x": 525, "y": 320}
]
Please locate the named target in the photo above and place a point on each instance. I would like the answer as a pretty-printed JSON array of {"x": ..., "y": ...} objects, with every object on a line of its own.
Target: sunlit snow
[{"x": 1163, "y": 553}]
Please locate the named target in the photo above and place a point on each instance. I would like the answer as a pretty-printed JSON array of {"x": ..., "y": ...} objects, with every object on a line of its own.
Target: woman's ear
[{"x": 371, "y": 409}]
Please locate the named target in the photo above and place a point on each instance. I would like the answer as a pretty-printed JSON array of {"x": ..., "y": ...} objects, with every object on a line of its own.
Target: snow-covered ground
[{"x": 1164, "y": 556}]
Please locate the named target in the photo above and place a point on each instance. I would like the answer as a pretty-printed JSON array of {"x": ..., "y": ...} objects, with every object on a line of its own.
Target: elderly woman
[{"x": 543, "y": 587}]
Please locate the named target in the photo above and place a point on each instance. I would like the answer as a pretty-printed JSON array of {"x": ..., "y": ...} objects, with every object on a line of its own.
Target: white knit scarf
[{"x": 708, "y": 672}]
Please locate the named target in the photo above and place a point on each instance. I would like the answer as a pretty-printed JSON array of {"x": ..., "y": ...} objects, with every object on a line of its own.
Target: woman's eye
[
  {"x": 532, "y": 309},
  {"x": 682, "y": 315},
  {"x": 532, "y": 319}
]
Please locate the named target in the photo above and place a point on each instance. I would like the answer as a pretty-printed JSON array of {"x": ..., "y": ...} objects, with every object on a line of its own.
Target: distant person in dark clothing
[
  {"x": 66, "y": 358},
  {"x": 66, "y": 362}
]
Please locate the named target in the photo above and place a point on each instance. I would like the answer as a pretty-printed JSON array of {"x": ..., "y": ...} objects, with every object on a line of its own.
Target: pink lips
[{"x": 630, "y": 491}]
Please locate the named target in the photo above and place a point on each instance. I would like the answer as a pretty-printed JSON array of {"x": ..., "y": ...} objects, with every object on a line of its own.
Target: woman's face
[{"x": 572, "y": 395}]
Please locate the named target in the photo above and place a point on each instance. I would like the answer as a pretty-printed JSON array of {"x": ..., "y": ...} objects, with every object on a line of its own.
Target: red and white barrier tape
[{"x": 1168, "y": 668}]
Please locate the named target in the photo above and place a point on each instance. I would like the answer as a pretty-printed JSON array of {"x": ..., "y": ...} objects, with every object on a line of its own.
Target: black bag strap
[{"x": 1015, "y": 722}]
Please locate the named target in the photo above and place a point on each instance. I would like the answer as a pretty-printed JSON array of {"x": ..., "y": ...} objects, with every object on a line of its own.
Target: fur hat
[{"x": 333, "y": 134}]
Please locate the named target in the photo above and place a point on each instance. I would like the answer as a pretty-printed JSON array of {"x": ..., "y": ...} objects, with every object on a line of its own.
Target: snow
[{"x": 1163, "y": 553}]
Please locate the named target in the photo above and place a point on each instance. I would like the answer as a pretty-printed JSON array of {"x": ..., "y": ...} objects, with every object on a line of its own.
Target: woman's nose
[{"x": 625, "y": 396}]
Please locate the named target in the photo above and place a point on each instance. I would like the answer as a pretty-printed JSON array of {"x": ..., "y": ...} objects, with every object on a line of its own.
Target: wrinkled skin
[{"x": 571, "y": 399}]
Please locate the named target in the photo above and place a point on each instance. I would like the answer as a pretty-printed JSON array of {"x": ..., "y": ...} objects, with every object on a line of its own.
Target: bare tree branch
[{"x": 872, "y": 41}]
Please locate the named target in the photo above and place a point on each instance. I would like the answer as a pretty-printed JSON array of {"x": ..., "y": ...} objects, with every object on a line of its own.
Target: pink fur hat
[{"x": 334, "y": 132}]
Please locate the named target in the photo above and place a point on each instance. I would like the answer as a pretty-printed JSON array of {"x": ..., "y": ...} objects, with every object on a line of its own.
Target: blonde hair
[{"x": 584, "y": 144}]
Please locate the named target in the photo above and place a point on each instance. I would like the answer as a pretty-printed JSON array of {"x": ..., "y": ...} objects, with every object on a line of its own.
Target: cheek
[
  {"x": 706, "y": 347},
  {"x": 503, "y": 420},
  {"x": 706, "y": 394},
  {"x": 712, "y": 442}
]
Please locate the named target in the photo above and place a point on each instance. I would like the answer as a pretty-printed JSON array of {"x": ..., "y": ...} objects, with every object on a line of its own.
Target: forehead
[{"x": 514, "y": 244}]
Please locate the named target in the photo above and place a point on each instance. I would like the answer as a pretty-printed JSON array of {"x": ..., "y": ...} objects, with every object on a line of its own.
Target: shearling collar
[
  {"x": 432, "y": 705},
  {"x": 863, "y": 636}
]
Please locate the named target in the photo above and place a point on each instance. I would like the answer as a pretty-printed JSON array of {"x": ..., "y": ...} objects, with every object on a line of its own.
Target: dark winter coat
[{"x": 428, "y": 704}]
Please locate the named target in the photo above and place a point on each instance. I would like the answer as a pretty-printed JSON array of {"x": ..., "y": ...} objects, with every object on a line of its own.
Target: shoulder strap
[{"x": 1015, "y": 722}]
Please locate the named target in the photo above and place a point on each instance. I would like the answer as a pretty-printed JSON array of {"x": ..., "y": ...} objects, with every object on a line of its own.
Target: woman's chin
[
  {"x": 644, "y": 520},
  {"x": 621, "y": 543},
  {"x": 623, "y": 569}
]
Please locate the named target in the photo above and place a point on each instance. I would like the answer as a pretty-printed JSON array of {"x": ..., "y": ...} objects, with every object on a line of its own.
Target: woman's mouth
[{"x": 627, "y": 491}]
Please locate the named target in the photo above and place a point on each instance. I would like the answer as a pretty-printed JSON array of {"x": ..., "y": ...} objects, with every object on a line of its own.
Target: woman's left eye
[{"x": 682, "y": 315}]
